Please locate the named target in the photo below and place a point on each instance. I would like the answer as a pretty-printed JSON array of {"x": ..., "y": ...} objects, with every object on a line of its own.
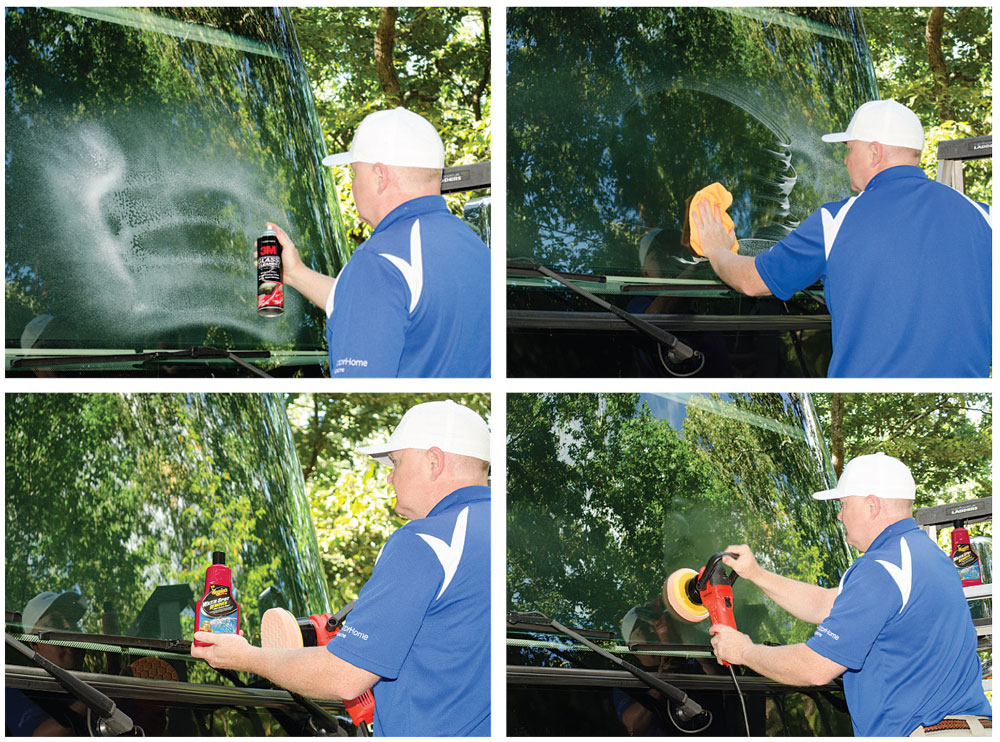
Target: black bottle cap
[{"x": 218, "y": 557}]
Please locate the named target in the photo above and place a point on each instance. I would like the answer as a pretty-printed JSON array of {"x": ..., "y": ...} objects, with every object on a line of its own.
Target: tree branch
[
  {"x": 935, "y": 57},
  {"x": 385, "y": 40}
]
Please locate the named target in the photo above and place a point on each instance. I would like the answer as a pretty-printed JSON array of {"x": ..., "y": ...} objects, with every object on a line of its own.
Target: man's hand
[
  {"x": 316, "y": 287},
  {"x": 738, "y": 271},
  {"x": 745, "y": 565},
  {"x": 291, "y": 263},
  {"x": 226, "y": 651},
  {"x": 729, "y": 644},
  {"x": 712, "y": 234}
]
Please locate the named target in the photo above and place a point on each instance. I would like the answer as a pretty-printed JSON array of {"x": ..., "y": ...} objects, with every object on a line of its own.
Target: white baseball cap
[
  {"x": 70, "y": 604},
  {"x": 447, "y": 425},
  {"x": 874, "y": 474},
  {"x": 883, "y": 121},
  {"x": 395, "y": 137}
]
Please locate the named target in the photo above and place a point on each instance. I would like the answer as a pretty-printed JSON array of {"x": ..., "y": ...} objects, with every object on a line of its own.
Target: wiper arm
[
  {"x": 677, "y": 352},
  {"x": 195, "y": 352},
  {"x": 328, "y": 722},
  {"x": 687, "y": 708},
  {"x": 112, "y": 720}
]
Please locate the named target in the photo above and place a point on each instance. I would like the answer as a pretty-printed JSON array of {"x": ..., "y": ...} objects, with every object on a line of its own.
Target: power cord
[
  {"x": 679, "y": 728},
  {"x": 746, "y": 720},
  {"x": 663, "y": 361}
]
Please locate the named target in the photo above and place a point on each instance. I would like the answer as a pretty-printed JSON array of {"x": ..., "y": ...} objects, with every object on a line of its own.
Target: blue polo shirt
[
  {"x": 413, "y": 300},
  {"x": 422, "y": 623},
  {"x": 907, "y": 274},
  {"x": 902, "y": 628}
]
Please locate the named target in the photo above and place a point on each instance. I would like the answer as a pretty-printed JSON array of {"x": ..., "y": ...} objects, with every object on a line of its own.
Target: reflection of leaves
[
  {"x": 181, "y": 112},
  {"x": 604, "y": 500},
  {"x": 617, "y": 115},
  {"x": 119, "y": 494}
]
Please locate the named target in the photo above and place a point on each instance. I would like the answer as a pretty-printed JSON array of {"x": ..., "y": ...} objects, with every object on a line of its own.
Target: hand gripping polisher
[
  {"x": 280, "y": 629},
  {"x": 694, "y": 596}
]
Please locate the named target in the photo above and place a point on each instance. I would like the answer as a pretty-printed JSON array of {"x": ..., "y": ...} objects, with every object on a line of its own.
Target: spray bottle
[
  {"x": 217, "y": 610},
  {"x": 964, "y": 557}
]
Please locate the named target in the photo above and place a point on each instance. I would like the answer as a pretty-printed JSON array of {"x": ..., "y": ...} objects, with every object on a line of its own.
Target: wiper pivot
[{"x": 112, "y": 721}]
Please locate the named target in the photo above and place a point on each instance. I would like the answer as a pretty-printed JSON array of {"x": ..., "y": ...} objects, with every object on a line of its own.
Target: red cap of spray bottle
[{"x": 217, "y": 611}]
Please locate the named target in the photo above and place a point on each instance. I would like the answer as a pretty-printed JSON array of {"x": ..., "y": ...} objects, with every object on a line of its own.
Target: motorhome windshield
[
  {"x": 115, "y": 504},
  {"x": 616, "y": 116},
  {"x": 608, "y": 494},
  {"x": 145, "y": 151}
]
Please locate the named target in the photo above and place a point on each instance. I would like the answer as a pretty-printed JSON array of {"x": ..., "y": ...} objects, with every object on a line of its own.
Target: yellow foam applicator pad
[
  {"x": 279, "y": 629},
  {"x": 716, "y": 195},
  {"x": 676, "y": 599}
]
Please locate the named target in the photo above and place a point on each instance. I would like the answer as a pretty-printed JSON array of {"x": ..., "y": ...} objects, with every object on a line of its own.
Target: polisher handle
[{"x": 716, "y": 571}]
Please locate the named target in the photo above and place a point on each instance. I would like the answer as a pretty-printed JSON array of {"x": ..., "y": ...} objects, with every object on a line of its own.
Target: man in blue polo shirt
[
  {"x": 414, "y": 299},
  {"x": 419, "y": 634},
  {"x": 906, "y": 265},
  {"x": 898, "y": 627}
]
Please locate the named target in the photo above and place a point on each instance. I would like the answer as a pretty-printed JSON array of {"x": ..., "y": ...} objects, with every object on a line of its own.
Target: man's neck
[{"x": 393, "y": 202}]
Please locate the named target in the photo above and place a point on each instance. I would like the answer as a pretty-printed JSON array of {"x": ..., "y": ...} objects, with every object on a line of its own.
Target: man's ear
[
  {"x": 381, "y": 171},
  {"x": 874, "y": 505},
  {"x": 876, "y": 153},
  {"x": 437, "y": 459}
]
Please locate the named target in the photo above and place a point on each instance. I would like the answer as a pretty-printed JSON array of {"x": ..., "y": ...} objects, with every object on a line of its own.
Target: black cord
[
  {"x": 746, "y": 720},
  {"x": 679, "y": 728},
  {"x": 663, "y": 362}
]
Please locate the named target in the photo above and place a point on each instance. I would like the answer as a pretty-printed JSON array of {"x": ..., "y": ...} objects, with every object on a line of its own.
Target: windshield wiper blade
[
  {"x": 677, "y": 352},
  {"x": 687, "y": 708},
  {"x": 112, "y": 720},
  {"x": 195, "y": 352}
]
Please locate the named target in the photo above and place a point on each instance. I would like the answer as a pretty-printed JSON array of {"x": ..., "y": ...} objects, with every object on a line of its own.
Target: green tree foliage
[
  {"x": 434, "y": 61},
  {"x": 352, "y": 504},
  {"x": 945, "y": 439},
  {"x": 939, "y": 62}
]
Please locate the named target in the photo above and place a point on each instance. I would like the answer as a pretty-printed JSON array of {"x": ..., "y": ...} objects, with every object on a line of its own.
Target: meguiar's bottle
[
  {"x": 217, "y": 610},
  {"x": 965, "y": 557}
]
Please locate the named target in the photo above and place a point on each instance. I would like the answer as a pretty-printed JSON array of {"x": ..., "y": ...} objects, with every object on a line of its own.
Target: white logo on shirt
[
  {"x": 413, "y": 271},
  {"x": 449, "y": 554},
  {"x": 832, "y": 224},
  {"x": 903, "y": 574}
]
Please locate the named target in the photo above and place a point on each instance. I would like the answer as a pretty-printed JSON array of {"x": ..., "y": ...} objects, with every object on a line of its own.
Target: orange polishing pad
[
  {"x": 676, "y": 599},
  {"x": 716, "y": 195},
  {"x": 279, "y": 629}
]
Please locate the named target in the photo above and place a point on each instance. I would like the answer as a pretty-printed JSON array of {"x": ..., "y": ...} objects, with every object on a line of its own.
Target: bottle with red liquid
[
  {"x": 217, "y": 611},
  {"x": 965, "y": 557}
]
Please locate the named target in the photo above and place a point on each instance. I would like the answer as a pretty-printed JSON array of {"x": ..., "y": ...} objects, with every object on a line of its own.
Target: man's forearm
[
  {"x": 315, "y": 286},
  {"x": 811, "y": 603},
  {"x": 738, "y": 271},
  {"x": 792, "y": 665}
]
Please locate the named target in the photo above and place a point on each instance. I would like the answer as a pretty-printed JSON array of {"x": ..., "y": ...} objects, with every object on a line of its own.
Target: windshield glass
[
  {"x": 608, "y": 494},
  {"x": 618, "y": 115},
  {"x": 115, "y": 503},
  {"x": 145, "y": 151}
]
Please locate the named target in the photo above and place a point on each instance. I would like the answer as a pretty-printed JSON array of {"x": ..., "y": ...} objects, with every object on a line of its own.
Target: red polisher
[
  {"x": 694, "y": 596},
  {"x": 280, "y": 629}
]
